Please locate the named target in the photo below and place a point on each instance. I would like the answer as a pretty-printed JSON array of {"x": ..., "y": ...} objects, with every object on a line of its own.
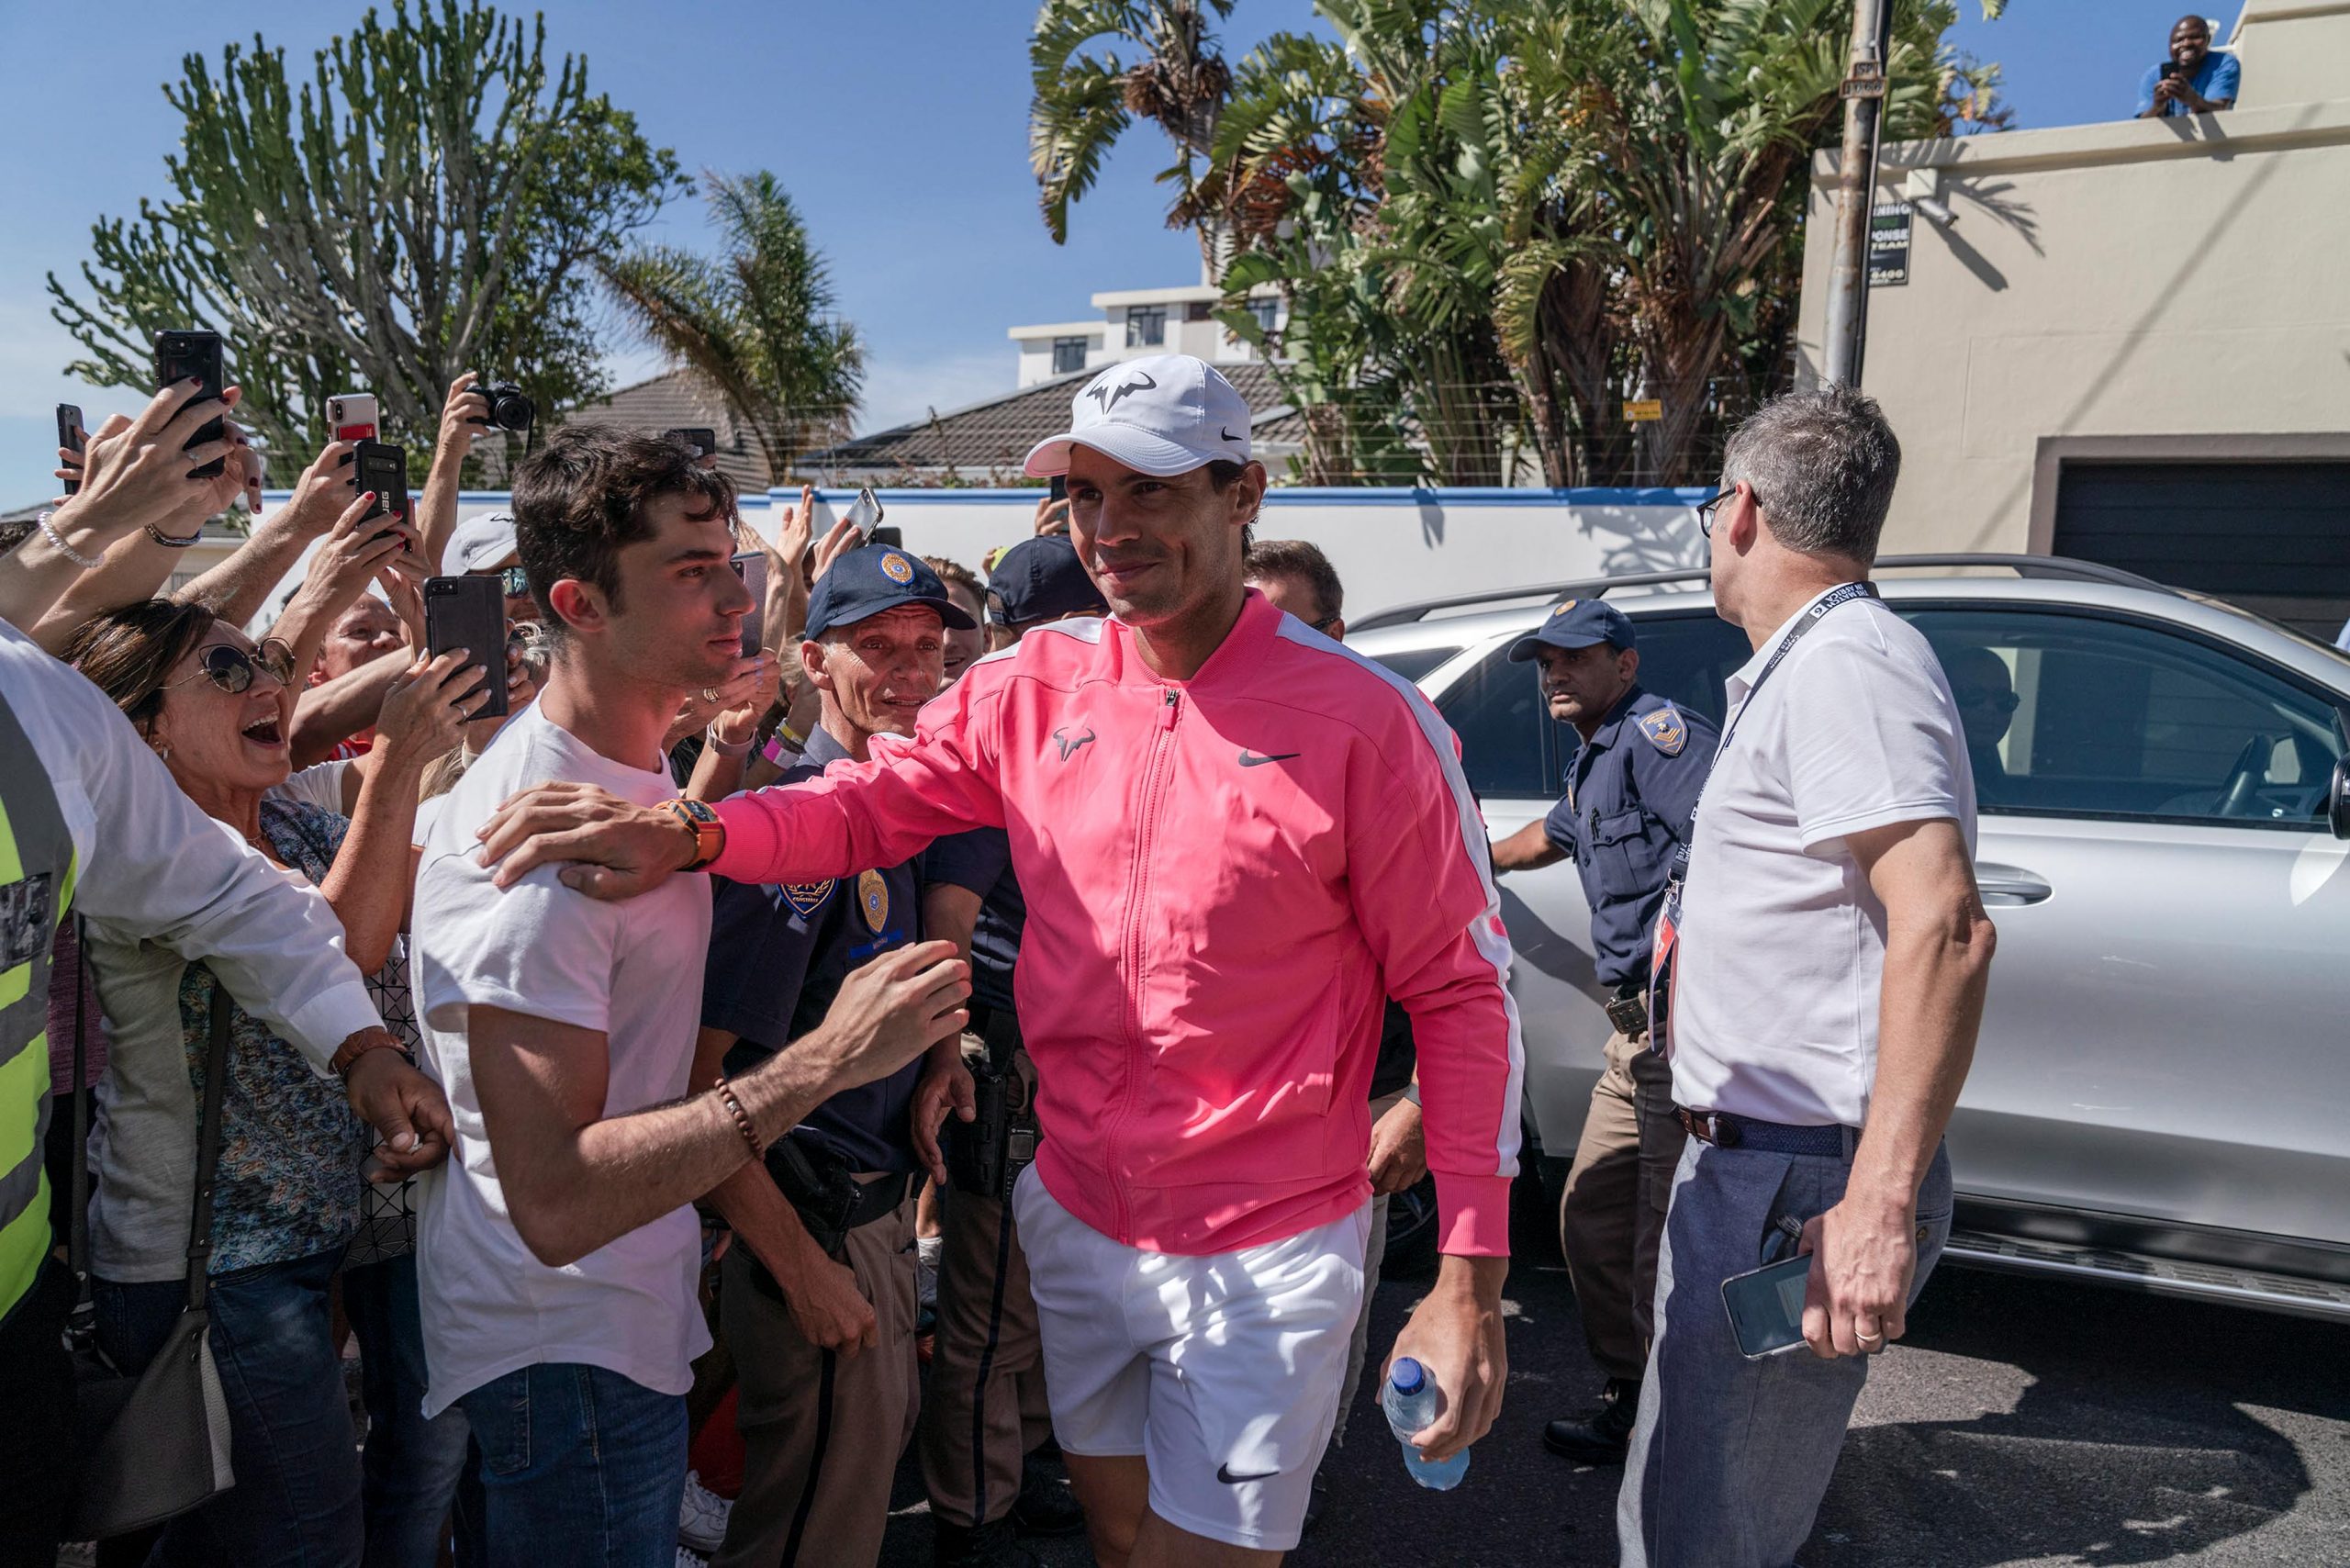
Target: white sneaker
[
  {"x": 688, "y": 1558},
  {"x": 701, "y": 1519}
]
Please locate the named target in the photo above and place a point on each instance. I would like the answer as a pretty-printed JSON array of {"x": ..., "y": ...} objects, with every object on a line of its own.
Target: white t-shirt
[
  {"x": 631, "y": 970},
  {"x": 1780, "y": 963},
  {"x": 319, "y": 784}
]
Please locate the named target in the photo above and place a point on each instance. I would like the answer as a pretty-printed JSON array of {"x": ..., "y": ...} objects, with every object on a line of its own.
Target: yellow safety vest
[{"x": 36, "y": 887}]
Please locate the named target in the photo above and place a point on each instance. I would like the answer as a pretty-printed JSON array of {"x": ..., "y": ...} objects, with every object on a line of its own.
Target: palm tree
[
  {"x": 756, "y": 322},
  {"x": 1086, "y": 95}
]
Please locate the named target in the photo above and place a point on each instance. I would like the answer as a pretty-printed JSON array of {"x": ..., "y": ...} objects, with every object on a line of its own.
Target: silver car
[{"x": 2161, "y": 1096}]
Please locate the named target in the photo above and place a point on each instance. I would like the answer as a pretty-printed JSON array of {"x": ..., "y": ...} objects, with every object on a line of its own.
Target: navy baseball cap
[
  {"x": 1577, "y": 623},
  {"x": 876, "y": 578},
  {"x": 1041, "y": 580}
]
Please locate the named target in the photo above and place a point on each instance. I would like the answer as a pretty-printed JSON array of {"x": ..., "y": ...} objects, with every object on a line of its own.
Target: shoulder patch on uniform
[
  {"x": 806, "y": 898},
  {"x": 1664, "y": 730}
]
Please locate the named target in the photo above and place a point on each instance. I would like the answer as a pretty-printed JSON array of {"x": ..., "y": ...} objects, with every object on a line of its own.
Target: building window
[
  {"x": 1267, "y": 311},
  {"x": 1197, "y": 311},
  {"x": 1068, "y": 355},
  {"x": 1145, "y": 326}
]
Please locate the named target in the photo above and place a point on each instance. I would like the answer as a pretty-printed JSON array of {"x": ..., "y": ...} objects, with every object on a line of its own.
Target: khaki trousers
[
  {"x": 822, "y": 1433},
  {"x": 1612, "y": 1222},
  {"x": 985, "y": 1408}
]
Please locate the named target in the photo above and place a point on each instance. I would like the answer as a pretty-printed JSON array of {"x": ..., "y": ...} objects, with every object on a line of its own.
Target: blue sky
[{"x": 900, "y": 125}]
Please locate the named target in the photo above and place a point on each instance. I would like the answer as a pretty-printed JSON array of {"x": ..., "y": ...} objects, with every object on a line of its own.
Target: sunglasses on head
[{"x": 231, "y": 668}]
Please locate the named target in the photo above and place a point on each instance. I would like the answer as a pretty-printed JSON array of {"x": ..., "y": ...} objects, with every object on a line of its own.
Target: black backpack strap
[{"x": 208, "y": 1150}]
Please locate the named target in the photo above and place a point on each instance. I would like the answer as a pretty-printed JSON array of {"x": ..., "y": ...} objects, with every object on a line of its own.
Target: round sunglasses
[{"x": 231, "y": 668}]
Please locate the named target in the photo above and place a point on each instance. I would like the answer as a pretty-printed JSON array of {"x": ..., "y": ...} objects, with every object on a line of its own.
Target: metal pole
[{"x": 1848, "y": 280}]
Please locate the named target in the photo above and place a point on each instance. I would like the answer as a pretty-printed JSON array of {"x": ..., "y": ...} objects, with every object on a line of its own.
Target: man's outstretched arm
[{"x": 575, "y": 1180}]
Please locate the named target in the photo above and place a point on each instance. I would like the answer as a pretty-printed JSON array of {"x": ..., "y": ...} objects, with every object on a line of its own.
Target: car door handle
[{"x": 2008, "y": 885}]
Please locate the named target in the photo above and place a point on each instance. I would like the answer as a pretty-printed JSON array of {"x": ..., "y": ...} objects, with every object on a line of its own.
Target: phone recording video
[
  {"x": 180, "y": 355},
  {"x": 469, "y": 613}
]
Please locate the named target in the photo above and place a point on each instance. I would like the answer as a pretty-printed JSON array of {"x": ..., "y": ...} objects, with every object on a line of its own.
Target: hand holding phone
[
  {"x": 382, "y": 467},
  {"x": 751, "y": 566},
  {"x": 1765, "y": 1306},
  {"x": 180, "y": 356},
  {"x": 72, "y": 437},
  {"x": 865, "y": 513},
  {"x": 468, "y": 614}
]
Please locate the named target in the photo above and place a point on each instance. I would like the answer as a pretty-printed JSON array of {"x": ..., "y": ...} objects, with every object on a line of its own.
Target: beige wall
[{"x": 2139, "y": 288}]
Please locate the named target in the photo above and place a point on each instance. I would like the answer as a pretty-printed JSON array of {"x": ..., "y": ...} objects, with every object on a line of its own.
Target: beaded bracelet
[{"x": 742, "y": 1118}]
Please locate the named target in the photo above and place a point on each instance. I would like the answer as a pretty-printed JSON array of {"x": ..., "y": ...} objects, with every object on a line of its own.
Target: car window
[
  {"x": 1414, "y": 663},
  {"x": 1507, "y": 747},
  {"x": 1690, "y": 657},
  {"x": 2073, "y": 714}
]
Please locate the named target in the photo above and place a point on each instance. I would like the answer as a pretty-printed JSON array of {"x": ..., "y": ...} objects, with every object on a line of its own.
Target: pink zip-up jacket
[{"x": 1224, "y": 879}]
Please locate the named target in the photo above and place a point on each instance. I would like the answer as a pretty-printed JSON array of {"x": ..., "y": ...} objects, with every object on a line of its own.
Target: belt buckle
[{"x": 1709, "y": 1126}]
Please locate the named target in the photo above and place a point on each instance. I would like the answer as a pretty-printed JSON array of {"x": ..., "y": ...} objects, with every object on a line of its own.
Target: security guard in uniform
[
  {"x": 985, "y": 1411},
  {"x": 1631, "y": 791},
  {"x": 816, "y": 1296}
]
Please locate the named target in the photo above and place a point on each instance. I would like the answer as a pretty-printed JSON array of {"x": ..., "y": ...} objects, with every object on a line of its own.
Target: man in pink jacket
[{"x": 1236, "y": 839}]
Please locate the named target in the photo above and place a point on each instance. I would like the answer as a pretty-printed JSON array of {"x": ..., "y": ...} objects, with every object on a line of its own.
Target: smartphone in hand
[
  {"x": 703, "y": 438},
  {"x": 182, "y": 353},
  {"x": 469, "y": 613},
  {"x": 383, "y": 468},
  {"x": 351, "y": 416},
  {"x": 751, "y": 566},
  {"x": 865, "y": 513},
  {"x": 72, "y": 437},
  {"x": 1765, "y": 1306}
]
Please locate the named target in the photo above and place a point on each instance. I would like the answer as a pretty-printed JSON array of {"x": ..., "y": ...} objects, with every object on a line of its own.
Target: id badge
[{"x": 1661, "y": 957}]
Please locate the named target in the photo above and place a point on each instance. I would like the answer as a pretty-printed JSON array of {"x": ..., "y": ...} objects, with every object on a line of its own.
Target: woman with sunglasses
[{"x": 216, "y": 709}]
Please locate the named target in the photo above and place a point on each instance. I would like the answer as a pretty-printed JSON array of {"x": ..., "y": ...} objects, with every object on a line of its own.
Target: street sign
[
  {"x": 1644, "y": 411},
  {"x": 1889, "y": 244}
]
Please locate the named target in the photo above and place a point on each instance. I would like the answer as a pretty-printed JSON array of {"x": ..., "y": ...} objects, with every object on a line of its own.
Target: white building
[{"x": 1136, "y": 321}]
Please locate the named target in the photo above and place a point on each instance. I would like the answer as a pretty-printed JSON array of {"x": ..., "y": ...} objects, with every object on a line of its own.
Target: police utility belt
[
  {"x": 827, "y": 1195},
  {"x": 1668, "y": 921},
  {"x": 986, "y": 1155}
]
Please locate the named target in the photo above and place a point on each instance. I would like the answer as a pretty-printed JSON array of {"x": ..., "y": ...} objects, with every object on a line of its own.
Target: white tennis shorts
[{"x": 1221, "y": 1372}]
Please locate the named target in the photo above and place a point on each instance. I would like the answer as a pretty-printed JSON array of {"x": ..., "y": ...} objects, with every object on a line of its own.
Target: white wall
[{"x": 1390, "y": 546}]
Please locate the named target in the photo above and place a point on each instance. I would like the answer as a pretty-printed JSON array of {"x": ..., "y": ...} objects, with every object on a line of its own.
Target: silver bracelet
[
  {"x": 171, "y": 542},
  {"x": 57, "y": 541}
]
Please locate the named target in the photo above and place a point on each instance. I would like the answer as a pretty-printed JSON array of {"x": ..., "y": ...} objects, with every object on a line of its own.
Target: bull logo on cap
[
  {"x": 1102, "y": 393},
  {"x": 897, "y": 568}
]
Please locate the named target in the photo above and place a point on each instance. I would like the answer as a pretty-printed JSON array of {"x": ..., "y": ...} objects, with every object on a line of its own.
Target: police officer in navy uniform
[
  {"x": 985, "y": 1413},
  {"x": 816, "y": 1295},
  {"x": 1631, "y": 791}
]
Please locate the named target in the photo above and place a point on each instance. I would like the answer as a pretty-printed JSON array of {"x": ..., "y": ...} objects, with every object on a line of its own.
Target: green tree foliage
[
  {"x": 1561, "y": 204},
  {"x": 756, "y": 322},
  {"x": 1087, "y": 93},
  {"x": 428, "y": 202}
]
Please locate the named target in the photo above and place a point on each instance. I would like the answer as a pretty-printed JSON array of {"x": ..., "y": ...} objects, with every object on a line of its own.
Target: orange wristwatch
[{"x": 709, "y": 833}]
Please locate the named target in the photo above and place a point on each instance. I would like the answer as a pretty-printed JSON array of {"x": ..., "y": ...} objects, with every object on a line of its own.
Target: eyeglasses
[
  {"x": 1706, "y": 510},
  {"x": 231, "y": 668},
  {"x": 1325, "y": 623},
  {"x": 1998, "y": 701}
]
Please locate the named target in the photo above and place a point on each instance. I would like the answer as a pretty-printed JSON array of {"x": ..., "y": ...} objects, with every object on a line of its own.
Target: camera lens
[{"x": 510, "y": 409}]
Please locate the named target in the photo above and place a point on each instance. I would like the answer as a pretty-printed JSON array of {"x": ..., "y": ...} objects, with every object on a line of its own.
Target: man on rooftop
[{"x": 2193, "y": 81}]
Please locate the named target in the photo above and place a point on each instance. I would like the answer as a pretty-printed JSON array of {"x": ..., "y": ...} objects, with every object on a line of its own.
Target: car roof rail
[{"x": 2058, "y": 568}]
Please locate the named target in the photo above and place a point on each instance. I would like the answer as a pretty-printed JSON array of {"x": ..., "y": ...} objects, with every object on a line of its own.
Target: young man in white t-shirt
[
  {"x": 557, "y": 1255},
  {"x": 1829, "y": 959}
]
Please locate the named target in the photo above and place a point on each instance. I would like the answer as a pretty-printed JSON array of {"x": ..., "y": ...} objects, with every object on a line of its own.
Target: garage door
[{"x": 2273, "y": 537}]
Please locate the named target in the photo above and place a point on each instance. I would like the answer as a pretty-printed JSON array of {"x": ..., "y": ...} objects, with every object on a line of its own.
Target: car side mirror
[{"x": 2337, "y": 798}]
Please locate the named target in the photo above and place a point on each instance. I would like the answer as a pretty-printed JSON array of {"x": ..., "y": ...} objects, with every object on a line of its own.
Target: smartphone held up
[
  {"x": 468, "y": 614},
  {"x": 181, "y": 355}
]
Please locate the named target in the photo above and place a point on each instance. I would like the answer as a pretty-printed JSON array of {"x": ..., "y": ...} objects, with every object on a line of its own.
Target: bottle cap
[{"x": 1408, "y": 1376}]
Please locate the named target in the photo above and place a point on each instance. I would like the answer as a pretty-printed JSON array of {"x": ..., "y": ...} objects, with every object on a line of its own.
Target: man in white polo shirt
[{"x": 1822, "y": 979}]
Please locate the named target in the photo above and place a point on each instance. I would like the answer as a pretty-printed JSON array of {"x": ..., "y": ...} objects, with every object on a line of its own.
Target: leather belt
[
  {"x": 1725, "y": 1130},
  {"x": 879, "y": 1197}
]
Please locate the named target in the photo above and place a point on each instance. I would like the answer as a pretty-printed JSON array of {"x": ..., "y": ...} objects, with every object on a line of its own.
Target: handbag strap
[{"x": 208, "y": 1150}]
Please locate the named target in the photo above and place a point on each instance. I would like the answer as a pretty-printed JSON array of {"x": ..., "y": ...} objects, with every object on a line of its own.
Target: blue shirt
[
  {"x": 980, "y": 860},
  {"x": 1631, "y": 791},
  {"x": 778, "y": 958},
  {"x": 2213, "y": 80}
]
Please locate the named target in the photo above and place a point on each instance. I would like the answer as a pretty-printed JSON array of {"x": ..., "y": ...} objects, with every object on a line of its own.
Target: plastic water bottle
[{"x": 1412, "y": 1402}]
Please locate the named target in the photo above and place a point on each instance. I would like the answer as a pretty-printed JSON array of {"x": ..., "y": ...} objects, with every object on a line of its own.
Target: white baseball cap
[
  {"x": 482, "y": 541},
  {"x": 1165, "y": 414}
]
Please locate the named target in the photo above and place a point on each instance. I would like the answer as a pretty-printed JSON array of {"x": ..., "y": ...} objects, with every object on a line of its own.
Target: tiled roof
[
  {"x": 987, "y": 442},
  {"x": 682, "y": 397}
]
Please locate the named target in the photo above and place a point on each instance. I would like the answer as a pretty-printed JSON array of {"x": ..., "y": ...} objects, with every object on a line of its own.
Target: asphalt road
[{"x": 2022, "y": 1421}]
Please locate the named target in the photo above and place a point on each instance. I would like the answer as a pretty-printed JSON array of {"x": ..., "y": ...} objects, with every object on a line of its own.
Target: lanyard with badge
[{"x": 1668, "y": 919}]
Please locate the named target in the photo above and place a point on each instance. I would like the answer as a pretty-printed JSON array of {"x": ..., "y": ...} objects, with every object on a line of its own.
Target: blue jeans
[
  {"x": 1730, "y": 1457},
  {"x": 296, "y": 1503},
  {"x": 578, "y": 1465},
  {"x": 410, "y": 1465}
]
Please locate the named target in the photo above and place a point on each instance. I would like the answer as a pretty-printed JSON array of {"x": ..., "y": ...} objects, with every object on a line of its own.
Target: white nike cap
[{"x": 1166, "y": 414}]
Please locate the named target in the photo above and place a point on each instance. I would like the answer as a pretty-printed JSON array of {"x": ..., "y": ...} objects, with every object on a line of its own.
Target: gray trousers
[
  {"x": 1731, "y": 1457},
  {"x": 1374, "y": 1253}
]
